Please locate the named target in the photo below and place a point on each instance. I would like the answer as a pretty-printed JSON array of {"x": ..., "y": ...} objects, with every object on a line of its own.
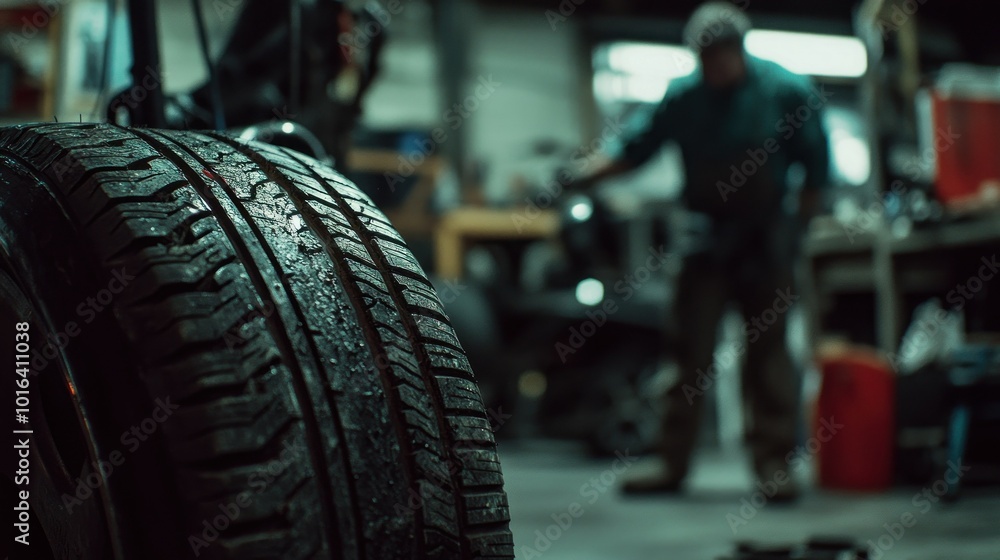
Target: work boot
[
  {"x": 787, "y": 494},
  {"x": 658, "y": 481},
  {"x": 777, "y": 483}
]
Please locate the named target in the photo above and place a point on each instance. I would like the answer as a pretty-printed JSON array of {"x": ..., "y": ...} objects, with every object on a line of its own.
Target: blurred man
[{"x": 740, "y": 122}]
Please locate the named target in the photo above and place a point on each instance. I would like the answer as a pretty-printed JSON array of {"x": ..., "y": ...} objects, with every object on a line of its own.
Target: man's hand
[
  {"x": 578, "y": 184},
  {"x": 588, "y": 182}
]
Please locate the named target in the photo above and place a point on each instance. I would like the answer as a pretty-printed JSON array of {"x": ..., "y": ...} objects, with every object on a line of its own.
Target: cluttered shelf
[
  {"x": 980, "y": 229},
  {"x": 887, "y": 268}
]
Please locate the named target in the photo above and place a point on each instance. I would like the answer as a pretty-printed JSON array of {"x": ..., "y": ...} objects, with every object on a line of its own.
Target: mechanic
[{"x": 741, "y": 123}]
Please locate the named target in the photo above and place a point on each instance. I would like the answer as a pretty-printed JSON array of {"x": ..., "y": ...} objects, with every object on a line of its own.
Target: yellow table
[{"x": 459, "y": 226}]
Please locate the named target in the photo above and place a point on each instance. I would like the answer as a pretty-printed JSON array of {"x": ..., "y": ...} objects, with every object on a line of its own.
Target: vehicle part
[{"x": 244, "y": 356}]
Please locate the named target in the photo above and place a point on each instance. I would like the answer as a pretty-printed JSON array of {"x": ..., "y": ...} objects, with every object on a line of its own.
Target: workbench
[
  {"x": 895, "y": 272},
  {"x": 461, "y": 226}
]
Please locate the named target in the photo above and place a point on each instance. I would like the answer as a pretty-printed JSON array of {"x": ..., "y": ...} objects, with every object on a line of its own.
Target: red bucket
[
  {"x": 855, "y": 420},
  {"x": 966, "y": 136}
]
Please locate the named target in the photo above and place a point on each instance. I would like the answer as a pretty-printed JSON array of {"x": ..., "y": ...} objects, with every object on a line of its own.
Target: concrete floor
[{"x": 565, "y": 506}]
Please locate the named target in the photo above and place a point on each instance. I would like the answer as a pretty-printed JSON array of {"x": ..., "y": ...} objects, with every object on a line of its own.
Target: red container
[
  {"x": 855, "y": 421},
  {"x": 966, "y": 136}
]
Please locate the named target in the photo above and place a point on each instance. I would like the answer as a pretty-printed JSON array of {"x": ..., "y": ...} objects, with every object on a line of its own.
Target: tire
[{"x": 247, "y": 362}]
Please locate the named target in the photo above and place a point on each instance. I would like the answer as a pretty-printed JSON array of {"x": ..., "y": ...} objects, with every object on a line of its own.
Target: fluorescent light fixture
[
  {"x": 643, "y": 71},
  {"x": 645, "y": 59},
  {"x": 647, "y": 88},
  {"x": 836, "y": 56}
]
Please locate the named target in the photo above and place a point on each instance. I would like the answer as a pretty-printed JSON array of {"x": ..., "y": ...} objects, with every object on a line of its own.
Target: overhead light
[
  {"x": 837, "y": 56},
  {"x": 646, "y": 88},
  {"x": 645, "y": 59},
  {"x": 643, "y": 71},
  {"x": 287, "y": 128}
]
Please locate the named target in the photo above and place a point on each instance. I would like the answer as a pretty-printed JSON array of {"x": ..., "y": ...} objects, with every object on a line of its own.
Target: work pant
[{"x": 770, "y": 385}]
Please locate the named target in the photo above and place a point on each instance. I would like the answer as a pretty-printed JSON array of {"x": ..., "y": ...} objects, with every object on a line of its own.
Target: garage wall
[
  {"x": 540, "y": 96},
  {"x": 542, "y": 72},
  {"x": 180, "y": 55},
  {"x": 406, "y": 95}
]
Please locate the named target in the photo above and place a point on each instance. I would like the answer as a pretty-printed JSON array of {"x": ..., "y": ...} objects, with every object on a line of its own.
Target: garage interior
[{"x": 464, "y": 120}]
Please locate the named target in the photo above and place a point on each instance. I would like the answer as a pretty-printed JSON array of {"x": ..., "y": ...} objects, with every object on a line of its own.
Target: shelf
[{"x": 979, "y": 231}]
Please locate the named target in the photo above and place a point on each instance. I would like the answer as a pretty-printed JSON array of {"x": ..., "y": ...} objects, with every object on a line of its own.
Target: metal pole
[
  {"x": 295, "y": 41},
  {"x": 146, "y": 71},
  {"x": 451, "y": 41}
]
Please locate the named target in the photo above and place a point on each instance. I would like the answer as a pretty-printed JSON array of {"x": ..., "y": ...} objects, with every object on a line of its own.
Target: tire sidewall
[{"x": 57, "y": 271}]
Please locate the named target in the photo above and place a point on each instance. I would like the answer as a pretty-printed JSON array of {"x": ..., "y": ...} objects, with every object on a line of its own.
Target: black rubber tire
[{"x": 309, "y": 359}]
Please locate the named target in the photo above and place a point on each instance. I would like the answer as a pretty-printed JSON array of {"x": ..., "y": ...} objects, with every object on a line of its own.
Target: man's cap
[{"x": 714, "y": 23}]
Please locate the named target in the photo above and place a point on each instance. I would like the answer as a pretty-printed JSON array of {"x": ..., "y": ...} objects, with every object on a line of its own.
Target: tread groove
[
  {"x": 276, "y": 325},
  {"x": 291, "y": 325},
  {"x": 339, "y": 258},
  {"x": 412, "y": 334}
]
